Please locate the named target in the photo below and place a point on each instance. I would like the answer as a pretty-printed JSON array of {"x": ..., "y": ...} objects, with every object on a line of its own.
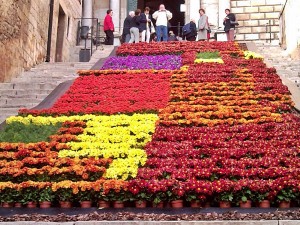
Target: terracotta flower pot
[
  {"x": 103, "y": 204},
  {"x": 7, "y": 204},
  {"x": 31, "y": 205},
  {"x": 195, "y": 204},
  {"x": 65, "y": 204},
  {"x": 18, "y": 205},
  {"x": 264, "y": 204},
  {"x": 140, "y": 204},
  {"x": 224, "y": 204},
  {"x": 245, "y": 205},
  {"x": 158, "y": 205},
  {"x": 284, "y": 204},
  {"x": 86, "y": 204},
  {"x": 45, "y": 204},
  {"x": 177, "y": 204},
  {"x": 118, "y": 204}
]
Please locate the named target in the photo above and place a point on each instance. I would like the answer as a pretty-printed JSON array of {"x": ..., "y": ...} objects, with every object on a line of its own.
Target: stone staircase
[
  {"x": 33, "y": 86},
  {"x": 287, "y": 68}
]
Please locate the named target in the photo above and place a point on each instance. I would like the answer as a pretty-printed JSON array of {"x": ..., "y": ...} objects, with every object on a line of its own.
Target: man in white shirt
[{"x": 162, "y": 16}]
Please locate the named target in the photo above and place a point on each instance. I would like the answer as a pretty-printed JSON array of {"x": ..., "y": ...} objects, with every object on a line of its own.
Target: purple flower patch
[{"x": 157, "y": 62}]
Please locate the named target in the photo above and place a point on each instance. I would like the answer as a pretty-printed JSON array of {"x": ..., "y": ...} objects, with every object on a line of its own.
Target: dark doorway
[
  {"x": 61, "y": 27},
  {"x": 172, "y": 5}
]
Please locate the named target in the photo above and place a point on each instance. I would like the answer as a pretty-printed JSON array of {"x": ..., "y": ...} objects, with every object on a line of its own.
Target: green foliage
[
  {"x": 208, "y": 55},
  {"x": 19, "y": 132}
]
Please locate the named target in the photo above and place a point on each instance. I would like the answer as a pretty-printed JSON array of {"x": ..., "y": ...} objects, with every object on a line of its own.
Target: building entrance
[{"x": 171, "y": 5}]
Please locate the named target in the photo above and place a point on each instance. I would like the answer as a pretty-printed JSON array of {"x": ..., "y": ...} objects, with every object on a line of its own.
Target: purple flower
[{"x": 157, "y": 62}]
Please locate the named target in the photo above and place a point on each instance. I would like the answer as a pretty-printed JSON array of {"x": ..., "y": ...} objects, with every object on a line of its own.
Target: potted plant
[
  {"x": 284, "y": 197},
  {"x": 30, "y": 196},
  {"x": 158, "y": 199},
  {"x": 65, "y": 197},
  {"x": 85, "y": 198},
  {"x": 225, "y": 199},
  {"x": 245, "y": 196},
  {"x": 7, "y": 197},
  {"x": 45, "y": 197},
  {"x": 262, "y": 199},
  {"x": 193, "y": 199}
]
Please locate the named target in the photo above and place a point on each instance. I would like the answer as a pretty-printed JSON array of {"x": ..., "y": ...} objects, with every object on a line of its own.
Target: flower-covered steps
[{"x": 219, "y": 126}]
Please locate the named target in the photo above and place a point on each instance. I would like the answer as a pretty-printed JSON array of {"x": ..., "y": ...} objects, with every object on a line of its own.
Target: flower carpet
[{"x": 158, "y": 123}]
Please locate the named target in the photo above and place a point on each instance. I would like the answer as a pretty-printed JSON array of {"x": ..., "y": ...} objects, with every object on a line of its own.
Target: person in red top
[{"x": 109, "y": 28}]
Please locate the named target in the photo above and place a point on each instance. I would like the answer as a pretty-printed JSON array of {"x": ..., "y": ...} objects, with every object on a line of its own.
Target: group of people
[
  {"x": 204, "y": 30},
  {"x": 138, "y": 26}
]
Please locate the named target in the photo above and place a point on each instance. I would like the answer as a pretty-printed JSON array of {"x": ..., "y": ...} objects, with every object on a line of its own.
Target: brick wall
[{"x": 254, "y": 15}]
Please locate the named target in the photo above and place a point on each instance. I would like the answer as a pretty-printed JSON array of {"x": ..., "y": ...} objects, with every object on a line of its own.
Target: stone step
[
  {"x": 29, "y": 96},
  {"x": 22, "y": 92},
  {"x": 19, "y": 102}
]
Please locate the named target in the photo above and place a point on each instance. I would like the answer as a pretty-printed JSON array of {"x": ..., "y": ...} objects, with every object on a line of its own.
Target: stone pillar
[
  {"x": 192, "y": 10},
  {"x": 223, "y": 4},
  {"x": 115, "y": 6},
  {"x": 87, "y": 13}
]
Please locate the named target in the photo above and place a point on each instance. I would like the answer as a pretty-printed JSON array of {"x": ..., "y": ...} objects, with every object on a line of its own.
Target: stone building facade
[
  {"x": 24, "y": 29},
  {"x": 256, "y": 17},
  {"x": 290, "y": 28}
]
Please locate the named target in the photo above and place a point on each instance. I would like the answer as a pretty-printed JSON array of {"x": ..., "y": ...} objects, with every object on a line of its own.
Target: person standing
[
  {"x": 126, "y": 27},
  {"x": 229, "y": 25},
  {"x": 109, "y": 27},
  {"x": 145, "y": 27},
  {"x": 162, "y": 16},
  {"x": 202, "y": 26},
  {"x": 134, "y": 27}
]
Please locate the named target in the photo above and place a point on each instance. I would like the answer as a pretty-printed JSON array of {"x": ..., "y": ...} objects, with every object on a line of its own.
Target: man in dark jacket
[{"x": 126, "y": 27}]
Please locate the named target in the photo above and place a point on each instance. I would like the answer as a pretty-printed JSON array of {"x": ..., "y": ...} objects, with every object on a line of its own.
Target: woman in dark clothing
[
  {"x": 134, "y": 27},
  {"x": 193, "y": 34},
  {"x": 229, "y": 26}
]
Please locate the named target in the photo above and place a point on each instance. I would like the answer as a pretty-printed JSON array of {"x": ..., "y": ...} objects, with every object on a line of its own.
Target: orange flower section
[{"x": 216, "y": 103}]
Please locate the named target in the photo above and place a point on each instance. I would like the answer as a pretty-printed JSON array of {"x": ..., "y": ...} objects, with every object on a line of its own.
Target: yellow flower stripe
[
  {"x": 252, "y": 55},
  {"x": 218, "y": 60},
  {"x": 121, "y": 137}
]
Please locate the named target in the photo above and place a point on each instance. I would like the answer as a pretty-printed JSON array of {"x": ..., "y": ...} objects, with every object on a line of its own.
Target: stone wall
[
  {"x": 24, "y": 33},
  {"x": 256, "y": 18}
]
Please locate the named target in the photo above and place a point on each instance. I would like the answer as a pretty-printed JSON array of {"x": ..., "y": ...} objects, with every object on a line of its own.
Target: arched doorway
[{"x": 174, "y": 8}]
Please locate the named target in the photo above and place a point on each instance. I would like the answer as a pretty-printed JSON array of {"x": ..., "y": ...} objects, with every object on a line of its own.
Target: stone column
[
  {"x": 87, "y": 13},
  {"x": 115, "y": 6},
  {"x": 192, "y": 10},
  {"x": 223, "y": 4}
]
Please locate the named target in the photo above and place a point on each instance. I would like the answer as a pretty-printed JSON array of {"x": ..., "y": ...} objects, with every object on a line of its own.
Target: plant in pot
[
  {"x": 262, "y": 199},
  {"x": 103, "y": 200},
  {"x": 65, "y": 197},
  {"x": 85, "y": 197},
  {"x": 30, "y": 196},
  {"x": 225, "y": 199},
  {"x": 7, "y": 197},
  {"x": 285, "y": 196},
  {"x": 245, "y": 197},
  {"x": 45, "y": 197},
  {"x": 118, "y": 197},
  {"x": 158, "y": 199},
  {"x": 192, "y": 197}
]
